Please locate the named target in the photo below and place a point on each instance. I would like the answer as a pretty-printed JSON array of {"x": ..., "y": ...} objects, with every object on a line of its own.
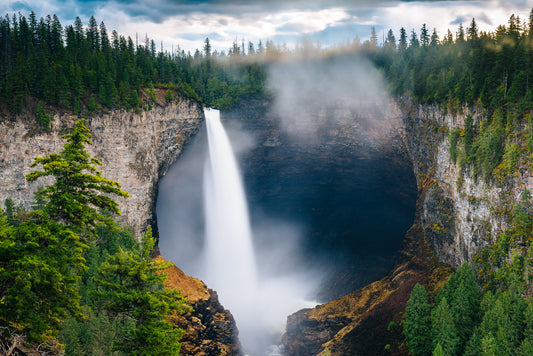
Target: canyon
[{"x": 456, "y": 214}]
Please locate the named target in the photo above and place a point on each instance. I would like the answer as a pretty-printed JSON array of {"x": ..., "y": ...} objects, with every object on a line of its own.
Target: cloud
[{"x": 187, "y": 22}]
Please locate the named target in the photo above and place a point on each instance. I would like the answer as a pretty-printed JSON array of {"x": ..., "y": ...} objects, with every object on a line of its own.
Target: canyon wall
[
  {"x": 136, "y": 149},
  {"x": 460, "y": 213}
]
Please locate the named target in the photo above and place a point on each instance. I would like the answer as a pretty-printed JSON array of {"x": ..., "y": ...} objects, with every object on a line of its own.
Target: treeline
[
  {"x": 463, "y": 321},
  {"x": 84, "y": 68},
  {"x": 492, "y": 69},
  {"x": 72, "y": 281}
]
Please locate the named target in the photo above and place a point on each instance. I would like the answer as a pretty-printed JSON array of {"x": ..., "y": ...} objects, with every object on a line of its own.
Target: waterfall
[
  {"x": 259, "y": 305},
  {"x": 230, "y": 263}
]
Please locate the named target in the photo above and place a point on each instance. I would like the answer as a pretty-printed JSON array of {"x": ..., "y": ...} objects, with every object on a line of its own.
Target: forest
[
  {"x": 55, "y": 300},
  {"x": 83, "y": 68},
  {"x": 74, "y": 281}
]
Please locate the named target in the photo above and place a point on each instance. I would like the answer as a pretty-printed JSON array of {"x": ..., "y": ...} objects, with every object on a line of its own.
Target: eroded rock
[
  {"x": 210, "y": 330},
  {"x": 136, "y": 149}
]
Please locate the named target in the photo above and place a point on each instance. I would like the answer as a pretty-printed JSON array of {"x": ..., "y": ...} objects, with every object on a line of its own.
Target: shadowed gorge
[
  {"x": 364, "y": 198},
  {"x": 352, "y": 201},
  {"x": 328, "y": 217}
]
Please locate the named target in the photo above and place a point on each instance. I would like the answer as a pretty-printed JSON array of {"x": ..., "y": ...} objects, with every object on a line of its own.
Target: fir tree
[
  {"x": 131, "y": 284},
  {"x": 417, "y": 325},
  {"x": 79, "y": 190},
  {"x": 443, "y": 330}
]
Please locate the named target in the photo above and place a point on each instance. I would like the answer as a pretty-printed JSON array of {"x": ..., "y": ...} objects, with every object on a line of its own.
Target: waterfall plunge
[
  {"x": 260, "y": 305},
  {"x": 230, "y": 264}
]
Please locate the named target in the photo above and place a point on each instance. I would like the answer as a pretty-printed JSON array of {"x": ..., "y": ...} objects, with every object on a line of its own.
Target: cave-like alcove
[{"x": 342, "y": 203}]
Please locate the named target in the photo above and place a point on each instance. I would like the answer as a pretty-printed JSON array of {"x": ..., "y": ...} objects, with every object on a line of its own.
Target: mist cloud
[{"x": 307, "y": 89}]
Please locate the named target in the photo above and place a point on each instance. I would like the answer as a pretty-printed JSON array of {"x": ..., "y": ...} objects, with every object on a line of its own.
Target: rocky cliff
[
  {"x": 458, "y": 214},
  {"x": 210, "y": 330},
  {"x": 136, "y": 149}
]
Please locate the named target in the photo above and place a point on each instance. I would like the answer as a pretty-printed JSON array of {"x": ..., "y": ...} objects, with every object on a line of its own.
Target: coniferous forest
[
  {"x": 50, "y": 298},
  {"x": 79, "y": 67}
]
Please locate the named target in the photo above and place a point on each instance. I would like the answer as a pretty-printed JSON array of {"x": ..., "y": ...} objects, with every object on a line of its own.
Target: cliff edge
[{"x": 136, "y": 149}]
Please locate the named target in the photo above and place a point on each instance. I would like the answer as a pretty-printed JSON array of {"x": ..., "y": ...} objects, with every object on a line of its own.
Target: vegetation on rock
[
  {"x": 60, "y": 264},
  {"x": 84, "y": 68}
]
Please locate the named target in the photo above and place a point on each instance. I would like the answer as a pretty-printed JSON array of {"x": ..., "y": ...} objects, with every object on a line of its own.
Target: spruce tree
[
  {"x": 465, "y": 303},
  {"x": 438, "y": 351},
  {"x": 443, "y": 330},
  {"x": 526, "y": 347},
  {"x": 417, "y": 325},
  {"x": 131, "y": 285},
  {"x": 40, "y": 266},
  {"x": 79, "y": 192}
]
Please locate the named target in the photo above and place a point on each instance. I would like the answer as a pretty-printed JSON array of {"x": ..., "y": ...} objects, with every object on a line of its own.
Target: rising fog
[
  {"x": 316, "y": 98},
  {"x": 308, "y": 89}
]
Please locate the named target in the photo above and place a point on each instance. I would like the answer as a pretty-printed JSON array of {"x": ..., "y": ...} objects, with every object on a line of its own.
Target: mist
[
  {"x": 328, "y": 92},
  {"x": 329, "y": 203}
]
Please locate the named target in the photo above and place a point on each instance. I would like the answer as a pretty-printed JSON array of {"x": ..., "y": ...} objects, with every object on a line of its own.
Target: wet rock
[{"x": 210, "y": 330}]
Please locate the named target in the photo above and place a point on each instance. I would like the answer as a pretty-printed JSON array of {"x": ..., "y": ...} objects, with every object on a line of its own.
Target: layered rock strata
[{"x": 136, "y": 149}]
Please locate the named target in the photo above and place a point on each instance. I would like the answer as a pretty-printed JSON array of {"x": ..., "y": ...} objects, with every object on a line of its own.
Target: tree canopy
[{"x": 48, "y": 265}]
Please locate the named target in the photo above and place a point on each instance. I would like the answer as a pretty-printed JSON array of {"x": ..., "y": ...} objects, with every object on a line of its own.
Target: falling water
[
  {"x": 260, "y": 305},
  {"x": 229, "y": 251},
  {"x": 230, "y": 264}
]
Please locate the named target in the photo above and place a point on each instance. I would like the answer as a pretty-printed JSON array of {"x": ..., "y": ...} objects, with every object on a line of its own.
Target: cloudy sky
[{"x": 188, "y": 22}]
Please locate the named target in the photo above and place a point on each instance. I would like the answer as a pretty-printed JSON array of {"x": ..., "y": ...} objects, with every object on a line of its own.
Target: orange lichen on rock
[
  {"x": 191, "y": 288},
  {"x": 210, "y": 330}
]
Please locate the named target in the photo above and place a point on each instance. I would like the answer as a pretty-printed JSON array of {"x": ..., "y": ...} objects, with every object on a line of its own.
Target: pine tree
[
  {"x": 443, "y": 330},
  {"x": 168, "y": 96},
  {"x": 526, "y": 347},
  {"x": 472, "y": 31},
  {"x": 424, "y": 36},
  {"x": 207, "y": 48},
  {"x": 438, "y": 351},
  {"x": 488, "y": 346},
  {"x": 390, "y": 42},
  {"x": 413, "y": 42},
  {"x": 40, "y": 266},
  {"x": 131, "y": 284},
  {"x": 460, "y": 34},
  {"x": 402, "y": 44},
  {"x": 473, "y": 346},
  {"x": 79, "y": 190},
  {"x": 417, "y": 325},
  {"x": 465, "y": 303}
]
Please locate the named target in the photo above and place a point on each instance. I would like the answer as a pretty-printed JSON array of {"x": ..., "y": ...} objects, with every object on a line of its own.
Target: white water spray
[
  {"x": 230, "y": 264},
  {"x": 260, "y": 306}
]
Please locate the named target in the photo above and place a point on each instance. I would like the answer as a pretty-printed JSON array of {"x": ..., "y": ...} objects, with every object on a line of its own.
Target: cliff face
[
  {"x": 366, "y": 322},
  {"x": 210, "y": 330},
  {"x": 136, "y": 149},
  {"x": 459, "y": 214}
]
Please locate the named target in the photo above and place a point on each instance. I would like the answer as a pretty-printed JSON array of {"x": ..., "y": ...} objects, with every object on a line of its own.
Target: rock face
[
  {"x": 459, "y": 214},
  {"x": 136, "y": 149},
  {"x": 366, "y": 322},
  {"x": 210, "y": 330}
]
